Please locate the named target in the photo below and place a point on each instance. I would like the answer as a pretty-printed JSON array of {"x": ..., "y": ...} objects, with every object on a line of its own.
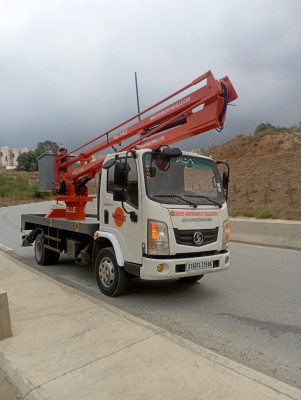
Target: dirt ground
[
  {"x": 265, "y": 175},
  {"x": 266, "y": 183}
]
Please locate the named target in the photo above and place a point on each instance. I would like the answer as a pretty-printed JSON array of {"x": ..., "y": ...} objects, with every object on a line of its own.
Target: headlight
[
  {"x": 226, "y": 234},
  {"x": 157, "y": 238}
]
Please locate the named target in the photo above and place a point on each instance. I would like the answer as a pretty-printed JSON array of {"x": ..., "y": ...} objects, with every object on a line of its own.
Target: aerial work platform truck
[{"x": 161, "y": 212}]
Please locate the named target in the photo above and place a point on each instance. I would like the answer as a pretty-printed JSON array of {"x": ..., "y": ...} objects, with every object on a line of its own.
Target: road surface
[{"x": 250, "y": 313}]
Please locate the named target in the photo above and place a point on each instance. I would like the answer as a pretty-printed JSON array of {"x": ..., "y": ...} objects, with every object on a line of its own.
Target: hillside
[
  {"x": 265, "y": 173},
  {"x": 265, "y": 178}
]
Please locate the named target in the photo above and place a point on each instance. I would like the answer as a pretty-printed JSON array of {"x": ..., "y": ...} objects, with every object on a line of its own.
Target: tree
[
  {"x": 46, "y": 147},
  {"x": 27, "y": 161},
  {"x": 264, "y": 126}
]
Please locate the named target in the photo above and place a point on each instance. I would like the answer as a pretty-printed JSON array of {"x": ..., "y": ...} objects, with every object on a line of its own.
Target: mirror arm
[{"x": 133, "y": 215}]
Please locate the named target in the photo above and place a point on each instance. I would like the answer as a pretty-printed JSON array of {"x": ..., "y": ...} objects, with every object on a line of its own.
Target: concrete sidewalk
[{"x": 67, "y": 345}]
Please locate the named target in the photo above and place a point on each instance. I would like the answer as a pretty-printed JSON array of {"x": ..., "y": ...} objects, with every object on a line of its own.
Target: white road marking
[{"x": 5, "y": 248}]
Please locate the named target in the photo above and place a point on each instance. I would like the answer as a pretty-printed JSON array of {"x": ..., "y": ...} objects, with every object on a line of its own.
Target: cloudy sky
[{"x": 67, "y": 66}]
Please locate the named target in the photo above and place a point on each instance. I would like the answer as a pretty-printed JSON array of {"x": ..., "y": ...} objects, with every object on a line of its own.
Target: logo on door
[{"x": 119, "y": 217}]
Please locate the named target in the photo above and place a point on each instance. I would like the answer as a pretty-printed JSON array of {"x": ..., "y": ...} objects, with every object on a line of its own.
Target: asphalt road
[{"x": 250, "y": 313}]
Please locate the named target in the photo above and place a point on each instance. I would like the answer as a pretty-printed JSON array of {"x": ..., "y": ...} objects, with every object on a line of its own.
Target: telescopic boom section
[{"x": 197, "y": 112}]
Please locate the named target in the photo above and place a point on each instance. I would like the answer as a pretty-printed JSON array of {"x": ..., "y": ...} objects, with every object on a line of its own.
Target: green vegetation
[
  {"x": 268, "y": 214},
  {"x": 249, "y": 213},
  {"x": 29, "y": 161},
  {"x": 20, "y": 188},
  {"x": 266, "y": 128}
]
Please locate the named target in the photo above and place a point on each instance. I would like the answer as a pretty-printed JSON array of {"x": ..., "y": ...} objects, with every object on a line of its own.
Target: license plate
[{"x": 199, "y": 265}]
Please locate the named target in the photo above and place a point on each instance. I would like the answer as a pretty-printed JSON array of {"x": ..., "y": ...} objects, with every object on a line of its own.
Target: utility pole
[{"x": 137, "y": 94}]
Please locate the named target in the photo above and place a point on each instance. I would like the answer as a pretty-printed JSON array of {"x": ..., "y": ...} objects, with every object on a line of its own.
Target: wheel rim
[
  {"x": 106, "y": 272},
  {"x": 39, "y": 250}
]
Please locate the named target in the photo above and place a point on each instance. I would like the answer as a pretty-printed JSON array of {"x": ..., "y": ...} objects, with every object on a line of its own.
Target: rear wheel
[
  {"x": 191, "y": 279},
  {"x": 44, "y": 256},
  {"x": 111, "y": 279}
]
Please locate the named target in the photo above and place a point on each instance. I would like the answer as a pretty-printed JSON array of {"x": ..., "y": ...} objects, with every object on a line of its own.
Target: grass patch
[
  {"x": 20, "y": 188},
  {"x": 268, "y": 214},
  {"x": 234, "y": 213},
  {"x": 249, "y": 213}
]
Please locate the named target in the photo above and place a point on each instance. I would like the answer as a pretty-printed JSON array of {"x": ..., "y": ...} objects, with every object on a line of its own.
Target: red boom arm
[{"x": 197, "y": 112}]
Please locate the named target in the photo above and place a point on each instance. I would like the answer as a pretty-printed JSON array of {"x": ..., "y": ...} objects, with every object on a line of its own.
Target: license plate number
[{"x": 199, "y": 265}]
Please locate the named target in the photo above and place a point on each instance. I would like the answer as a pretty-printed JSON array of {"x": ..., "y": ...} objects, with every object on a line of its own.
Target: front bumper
[{"x": 177, "y": 267}]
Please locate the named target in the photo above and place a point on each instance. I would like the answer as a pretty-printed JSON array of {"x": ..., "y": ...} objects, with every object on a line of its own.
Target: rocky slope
[{"x": 265, "y": 173}]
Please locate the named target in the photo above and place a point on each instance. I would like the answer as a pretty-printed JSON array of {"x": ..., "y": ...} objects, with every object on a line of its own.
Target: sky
[{"x": 67, "y": 66}]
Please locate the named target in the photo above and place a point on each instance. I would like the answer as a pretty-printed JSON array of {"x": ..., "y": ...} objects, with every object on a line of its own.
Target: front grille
[{"x": 185, "y": 237}]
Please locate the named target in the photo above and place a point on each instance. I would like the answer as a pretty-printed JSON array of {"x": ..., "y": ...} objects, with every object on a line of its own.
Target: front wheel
[
  {"x": 191, "y": 279},
  {"x": 111, "y": 279}
]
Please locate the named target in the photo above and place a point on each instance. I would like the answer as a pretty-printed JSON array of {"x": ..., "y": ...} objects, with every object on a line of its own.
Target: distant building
[{"x": 8, "y": 156}]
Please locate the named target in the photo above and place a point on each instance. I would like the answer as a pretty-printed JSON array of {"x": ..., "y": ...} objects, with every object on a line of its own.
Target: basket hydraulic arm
[{"x": 197, "y": 112}]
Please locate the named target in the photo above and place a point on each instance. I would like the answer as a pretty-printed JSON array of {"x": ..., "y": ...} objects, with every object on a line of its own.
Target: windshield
[{"x": 182, "y": 180}]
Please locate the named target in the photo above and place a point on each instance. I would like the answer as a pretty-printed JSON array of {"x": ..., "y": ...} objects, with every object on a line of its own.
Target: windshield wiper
[
  {"x": 205, "y": 197},
  {"x": 178, "y": 197}
]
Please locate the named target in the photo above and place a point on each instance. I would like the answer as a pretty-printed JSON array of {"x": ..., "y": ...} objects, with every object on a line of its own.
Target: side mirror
[
  {"x": 226, "y": 177},
  {"x": 119, "y": 194},
  {"x": 121, "y": 173},
  {"x": 225, "y": 180}
]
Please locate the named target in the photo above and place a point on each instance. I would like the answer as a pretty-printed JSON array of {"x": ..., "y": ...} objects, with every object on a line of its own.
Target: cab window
[{"x": 132, "y": 186}]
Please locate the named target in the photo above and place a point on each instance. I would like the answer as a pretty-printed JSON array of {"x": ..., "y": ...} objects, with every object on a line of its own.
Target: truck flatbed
[{"x": 87, "y": 226}]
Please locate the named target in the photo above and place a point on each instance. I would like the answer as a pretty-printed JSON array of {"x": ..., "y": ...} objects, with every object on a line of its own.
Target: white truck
[{"x": 161, "y": 212}]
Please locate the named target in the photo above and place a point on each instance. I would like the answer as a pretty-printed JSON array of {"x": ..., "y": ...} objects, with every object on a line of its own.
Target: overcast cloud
[{"x": 67, "y": 66}]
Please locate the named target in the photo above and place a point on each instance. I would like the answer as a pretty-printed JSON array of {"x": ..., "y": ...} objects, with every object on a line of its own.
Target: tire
[
  {"x": 111, "y": 279},
  {"x": 191, "y": 279},
  {"x": 44, "y": 256}
]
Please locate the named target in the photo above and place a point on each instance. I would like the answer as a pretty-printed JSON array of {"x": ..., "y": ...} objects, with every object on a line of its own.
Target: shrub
[
  {"x": 268, "y": 214},
  {"x": 249, "y": 212},
  {"x": 41, "y": 195},
  {"x": 264, "y": 126}
]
